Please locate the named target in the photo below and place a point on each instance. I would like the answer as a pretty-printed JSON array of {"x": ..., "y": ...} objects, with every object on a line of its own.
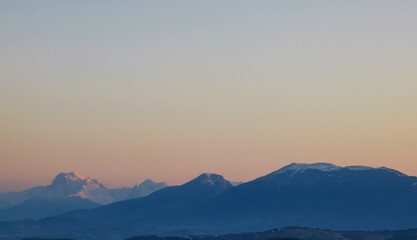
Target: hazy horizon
[{"x": 166, "y": 90}]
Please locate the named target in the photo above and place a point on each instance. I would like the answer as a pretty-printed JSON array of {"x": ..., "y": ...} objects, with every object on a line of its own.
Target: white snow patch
[
  {"x": 301, "y": 167},
  {"x": 74, "y": 176},
  {"x": 296, "y": 168},
  {"x": 358, "y": 168},
  {"x": 208, "y": 178}
]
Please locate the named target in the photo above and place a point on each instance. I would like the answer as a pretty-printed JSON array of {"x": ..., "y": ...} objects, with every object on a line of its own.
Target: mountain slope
[
  {"x": 41, "y": 208},
  {"x": 321, "y": 195},
  {"x": 168, "y": 206}
]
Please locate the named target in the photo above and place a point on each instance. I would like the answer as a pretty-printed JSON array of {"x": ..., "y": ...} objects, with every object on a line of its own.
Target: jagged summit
[
  {"x": 73, "y": 175},
  {"x": 74, "y": 179},
  {"x": 73, "y": 184},
  {"x": 68, "y": 177}
]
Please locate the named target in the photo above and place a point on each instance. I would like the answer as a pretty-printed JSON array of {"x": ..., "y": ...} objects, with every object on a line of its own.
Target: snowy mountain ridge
[
  {"x": 296, "y": 168},
  {"x": 67, "y": 185}
]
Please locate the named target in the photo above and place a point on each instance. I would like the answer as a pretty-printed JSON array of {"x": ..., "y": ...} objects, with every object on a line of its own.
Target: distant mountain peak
[
  {"x": 146, "y": 187},
  {"x": 68, "y": 177},
  {"x": 296, "y": 168},
  {"x": 75, "y": 175},
  {"x": 146, "y": 182},
  {"x": 73, "y": 184},
  {"x": 210, "y": 179},
  {"x": 301, "y": 167}
]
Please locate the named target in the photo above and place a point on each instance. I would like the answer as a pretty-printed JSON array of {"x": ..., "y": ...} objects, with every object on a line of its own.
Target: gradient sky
[{"x": 127, "y": 90}]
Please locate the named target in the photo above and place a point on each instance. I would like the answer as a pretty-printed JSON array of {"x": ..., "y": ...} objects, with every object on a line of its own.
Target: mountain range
[
  {"x": 68, "y": 191},
  {"x": 317, "y": 195}
]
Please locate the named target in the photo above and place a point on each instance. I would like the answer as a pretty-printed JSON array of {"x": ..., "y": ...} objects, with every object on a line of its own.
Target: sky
[{"x": 122, "y": 91}]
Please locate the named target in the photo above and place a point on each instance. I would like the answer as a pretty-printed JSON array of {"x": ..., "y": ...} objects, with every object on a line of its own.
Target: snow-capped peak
[
  {"x": 295, "y": 168},
  {"x": 68, "y": 177},
  {"x": 73, "y": 184},
  {"x": 301, "y": 167},
  {"x": 210, "y": 179},
  {"x": 74, "y": 176}
]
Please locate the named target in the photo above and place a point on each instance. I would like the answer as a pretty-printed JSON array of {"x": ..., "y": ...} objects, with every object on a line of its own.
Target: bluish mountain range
[
  {"x": 68, "y": 191},
  {"x": 317, "y": 195}
]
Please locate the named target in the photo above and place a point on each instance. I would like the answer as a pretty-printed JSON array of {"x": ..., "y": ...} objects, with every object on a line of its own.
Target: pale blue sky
[{"x": 169, "y": 89}]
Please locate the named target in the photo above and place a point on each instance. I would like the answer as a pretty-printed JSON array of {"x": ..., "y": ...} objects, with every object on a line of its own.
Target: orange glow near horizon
[{"x": 168, "y": 91}]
